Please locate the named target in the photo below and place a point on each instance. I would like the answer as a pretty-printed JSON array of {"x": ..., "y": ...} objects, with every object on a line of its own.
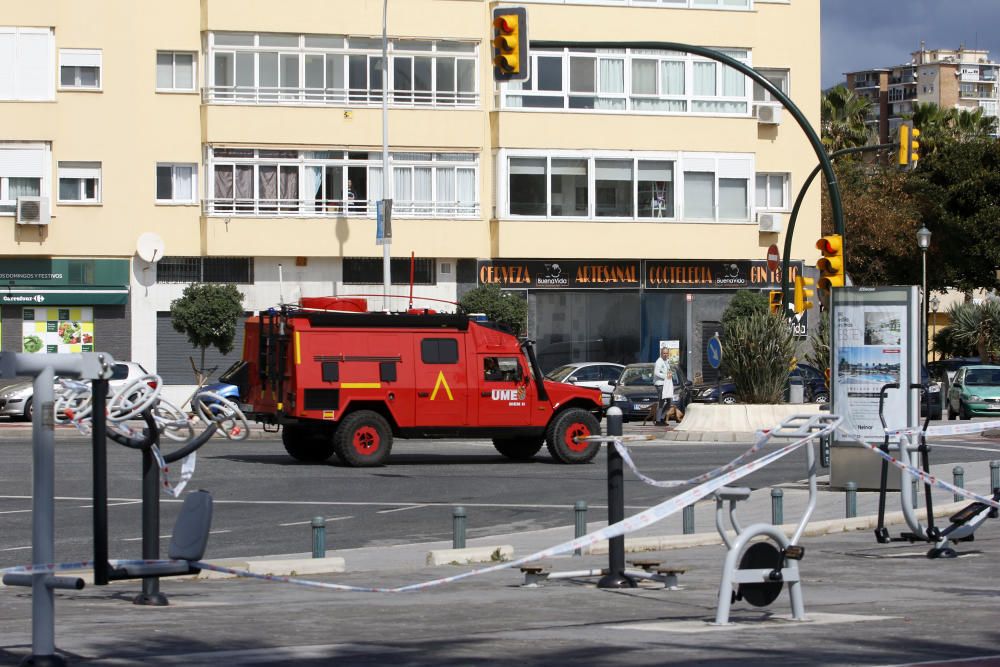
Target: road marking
[
  {"x": 15, "y": 548},
  {"x": 302, "y": 523},
  {"x": 401, "y": 509},
  {"x": 344, "y": 503},
  {"x": 126, "y": 502},
  {"x": 977, "y": 449},
  {"x": 14, "y": 511}
]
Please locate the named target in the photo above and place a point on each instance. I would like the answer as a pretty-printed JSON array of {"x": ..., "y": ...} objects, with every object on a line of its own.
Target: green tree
[
  {"x": 939, "y": 127},
  {"x": 502, "y": 307},
  {"x": 757, "y": 353},
  {"x": 977, "y": 326},
  {"x": 207, "y": 314},
  {"x": 818, "y": 355},
  {"x": 745, "y": 303},
  {"x": 843, "y": 117},
  {"x": 946, "y": 346}
]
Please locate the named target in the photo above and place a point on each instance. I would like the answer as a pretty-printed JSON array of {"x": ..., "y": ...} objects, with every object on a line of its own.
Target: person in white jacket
[{"x": 663, "y": 378}]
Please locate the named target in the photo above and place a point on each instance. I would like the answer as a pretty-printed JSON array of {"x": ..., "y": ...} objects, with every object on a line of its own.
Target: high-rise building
[
  {"x": 949, "y": 78},
  {"x": 625, "y": 191}
]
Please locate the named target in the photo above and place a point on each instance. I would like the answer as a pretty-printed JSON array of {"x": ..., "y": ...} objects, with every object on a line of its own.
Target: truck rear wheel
[
  {"x": 568, "y": 425},
  {"x": 519, "y": 449},
  {"x": 306, "y": 444},
  {"x": 363, "y": 439}
]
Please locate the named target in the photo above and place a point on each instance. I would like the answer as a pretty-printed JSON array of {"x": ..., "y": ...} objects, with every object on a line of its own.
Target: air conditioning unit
[
  {"x": 768, "y": 114},
  {"x": 32, "y": 210},
  {"x": 769, "y": 222}
]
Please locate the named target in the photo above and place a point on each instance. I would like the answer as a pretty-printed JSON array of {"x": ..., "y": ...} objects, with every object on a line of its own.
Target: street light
[
  {"x": 935, "y": 304},
  {"x": 923, "y": 241}
]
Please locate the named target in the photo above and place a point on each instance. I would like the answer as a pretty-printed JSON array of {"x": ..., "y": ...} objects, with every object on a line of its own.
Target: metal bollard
[
  {"x": 994, "y": 475},
  {"x": 580, "y": 514},
  {"x": 914, "y": 492},
  {"x": 616, "y": 577},
  {"x": 777, "y": 507},
  {"x": 319, "y": 537},
  {"x": 958, "y": 479},
  {"x": 458, "y": 528},
  {"x": 689, "y": 520},
  {"x": 850, "y": 500}
]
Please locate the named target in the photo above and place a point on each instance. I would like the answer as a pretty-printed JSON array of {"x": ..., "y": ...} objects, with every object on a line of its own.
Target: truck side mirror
[
  {"x": 613, "y": 383},
  {"x": 571, "y": 378}
]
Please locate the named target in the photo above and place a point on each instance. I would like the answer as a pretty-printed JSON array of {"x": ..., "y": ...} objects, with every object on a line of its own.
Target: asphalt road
[{"x": 264, "y": 500}]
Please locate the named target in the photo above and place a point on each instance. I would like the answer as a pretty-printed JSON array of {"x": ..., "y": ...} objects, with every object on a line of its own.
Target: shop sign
[
  {"x": 713, "y": 274},
  {"x": 561, "y": 274},
  {"x": 47, "y": 273},
  {"x": 63, "y": 298}
]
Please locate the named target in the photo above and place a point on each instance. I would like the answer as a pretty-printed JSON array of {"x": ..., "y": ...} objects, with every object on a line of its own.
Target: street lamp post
[
  {"x": 935, "y": 304},
  {"x": 924, "y": 241}
]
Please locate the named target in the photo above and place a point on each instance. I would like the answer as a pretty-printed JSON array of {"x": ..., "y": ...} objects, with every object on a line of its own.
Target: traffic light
[
  {"x": 831, "y": 265},
  {"x": 774, "y": 300},
  {"x": 802, "y": 295},
  {"x": 909, "y": 145},
  {"x": 510, "y": 44}
]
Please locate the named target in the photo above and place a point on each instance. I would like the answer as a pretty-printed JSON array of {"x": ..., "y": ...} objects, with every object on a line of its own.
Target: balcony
[
  {"x": 337, "y": 97},
  {"x": 334, "y": 208}
]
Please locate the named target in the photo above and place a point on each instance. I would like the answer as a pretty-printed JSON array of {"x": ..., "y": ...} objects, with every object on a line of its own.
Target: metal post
[
  {"x": 850, "y": 500},
  {"x": 777, "y": 508},
  {"x": 994, "y": 475},
  {"x": 914, "y": 492},
  {"x": 386, "y": 176},
  {"x": 580, "y": 514},
  {"x": 688, "y": 519},
  {"x": 99, "y": 394},
  {"x": 319, "y": 537},
  {"x": 458, "y": 528},
  {"x": 150, "y": 595},
  {"x": 958, "y": 479},
  {"x": 43, "y": 608},
  {"x": 615, "y": 578}
]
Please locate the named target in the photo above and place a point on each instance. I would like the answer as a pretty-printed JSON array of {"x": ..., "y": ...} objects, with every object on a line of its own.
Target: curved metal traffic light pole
[
  {"x": 789, "y": 233},
  {"x": 824, "y": 160}
]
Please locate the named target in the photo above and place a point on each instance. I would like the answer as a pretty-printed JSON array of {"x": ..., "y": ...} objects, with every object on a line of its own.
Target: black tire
[
  {"x": 363, "y": 439},
  {"x": 821, "y": 398},
  {"x": 306, "y": 444},
  {"x": 567, "y": 425},
  {"x": 28, "y": 410},
  {"x": 963, "y": 411},
  {"x": 519, "y": 449},
  {"x": 728, "y": 399}
]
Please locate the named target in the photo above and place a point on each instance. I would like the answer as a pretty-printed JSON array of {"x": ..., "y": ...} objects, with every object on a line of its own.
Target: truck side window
[
  {"x": 501, "y": 369},
  {"x": 439, "y": 351}
]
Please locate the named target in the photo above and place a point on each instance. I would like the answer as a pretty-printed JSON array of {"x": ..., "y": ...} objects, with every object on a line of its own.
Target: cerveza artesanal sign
[
  {"x": 560, "y": 274},
  {"x": 617, "y": 274}
]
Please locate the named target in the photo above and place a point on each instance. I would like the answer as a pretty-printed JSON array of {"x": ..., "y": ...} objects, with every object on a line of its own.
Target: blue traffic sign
[{"x": 714, "y": 352}]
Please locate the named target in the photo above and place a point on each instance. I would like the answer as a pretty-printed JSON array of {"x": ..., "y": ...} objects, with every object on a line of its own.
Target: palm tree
[
  {"x": 938, "y": 126},
  {"x": 843, "y": 116},
  {"x": 977, "y": 326}
]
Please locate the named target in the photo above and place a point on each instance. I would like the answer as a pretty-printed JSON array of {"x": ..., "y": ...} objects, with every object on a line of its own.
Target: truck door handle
[{"x": 423, "y": 394}]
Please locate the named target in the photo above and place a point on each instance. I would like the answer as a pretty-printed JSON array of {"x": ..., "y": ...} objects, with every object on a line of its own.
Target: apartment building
[
  {"x": 950, "y": 78},
  {"x": 626, "y": 193}
]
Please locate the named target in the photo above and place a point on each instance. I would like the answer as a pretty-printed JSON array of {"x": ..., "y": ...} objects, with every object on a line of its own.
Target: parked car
[
  {"x": 634, "y": 392},
  {"x": 933, "y": 398},
  {"x": 16, "y": 400},
  {"x": 589, "y": 374},
  {"x": 814, "y": 385},
  {"x": 975, "y": 392}
]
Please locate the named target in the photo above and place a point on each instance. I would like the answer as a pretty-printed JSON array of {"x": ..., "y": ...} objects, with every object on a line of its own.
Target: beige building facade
[{"x": 625, "y": 192}]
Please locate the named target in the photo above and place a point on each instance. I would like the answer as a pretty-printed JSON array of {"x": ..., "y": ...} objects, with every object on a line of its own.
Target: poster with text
[{"x": 55, "y": 330}]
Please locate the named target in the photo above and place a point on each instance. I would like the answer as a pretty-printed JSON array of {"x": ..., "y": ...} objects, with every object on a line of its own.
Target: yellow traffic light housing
[
  {"x": 510, "y": 44},
  {"x": 802, "y": 294},
  {"x": 775, "y": 298},
  {"x": 831, "y": 265},
  {"x": 909, "y": 145}
]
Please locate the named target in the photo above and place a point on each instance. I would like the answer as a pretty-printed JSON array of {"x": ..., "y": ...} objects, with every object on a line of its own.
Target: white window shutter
[{"x": 35, "y": 75}]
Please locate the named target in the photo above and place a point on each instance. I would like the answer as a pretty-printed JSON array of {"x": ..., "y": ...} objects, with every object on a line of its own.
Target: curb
[{"x": 500, "y": 553}]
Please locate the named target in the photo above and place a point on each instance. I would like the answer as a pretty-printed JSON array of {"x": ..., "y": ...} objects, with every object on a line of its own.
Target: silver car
[
  {"x": 16, "y": 399},
  {"x": 596, "y": 374}
]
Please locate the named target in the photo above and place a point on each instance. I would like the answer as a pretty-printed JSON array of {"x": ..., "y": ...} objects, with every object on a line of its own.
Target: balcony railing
[
  {"x": 336, "y": 97},
  {"x": 334, "y": 208}
]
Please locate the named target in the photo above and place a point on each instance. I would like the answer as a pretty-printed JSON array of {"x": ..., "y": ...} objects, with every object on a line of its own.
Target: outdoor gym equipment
[
  {"x": 761, "y": 569},
  {"x": 963, "y": 524}
]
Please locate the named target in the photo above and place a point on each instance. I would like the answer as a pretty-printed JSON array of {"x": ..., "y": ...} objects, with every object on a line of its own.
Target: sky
[{"x": 863, "y": 34}]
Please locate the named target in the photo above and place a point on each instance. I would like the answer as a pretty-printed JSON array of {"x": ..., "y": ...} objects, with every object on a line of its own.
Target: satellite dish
[{"x": 150, "y": 247}]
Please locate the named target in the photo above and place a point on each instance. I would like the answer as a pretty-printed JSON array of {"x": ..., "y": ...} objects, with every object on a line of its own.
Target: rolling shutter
[{"x": 174, "y": 353}]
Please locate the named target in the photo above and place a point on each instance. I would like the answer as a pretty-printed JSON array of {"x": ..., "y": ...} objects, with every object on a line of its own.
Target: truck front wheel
[
  {"x": 306, "y": 444},
  {"x": 363, "y": 439},
  {"x": 567, "y": 426},
  {"x": 519, "y": 449}
]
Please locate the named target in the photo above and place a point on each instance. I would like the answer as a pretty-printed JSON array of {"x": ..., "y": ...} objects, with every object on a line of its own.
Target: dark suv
[
  {"x": 635, "y": 394},
  {"x": 814, "y": 386}
]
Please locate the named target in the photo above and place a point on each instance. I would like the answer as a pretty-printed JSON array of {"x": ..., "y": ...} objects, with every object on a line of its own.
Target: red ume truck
[{"x": 342, "y": 380}]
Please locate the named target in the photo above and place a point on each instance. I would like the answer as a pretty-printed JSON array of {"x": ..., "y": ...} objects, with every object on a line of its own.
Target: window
[
  {"x": 23, "y": 169},
  {"x": 236, "y": 270},
  {"x": 80, "y": 68},
  {"x": 338, "y": 183},
  {"x": 439, "y": 351},
  {"x": 27, "y": 57},
  {"x": 333, "y": 69},
  {"x": 368, "y": 271},
  {"x": 175, "y": 71},
  {"x": 771, "y": 191},
  {"x": 176, "y": 183},
  {"x": 501, "y": 369},
  {"x": 777, "y": 77},
  {"x": 630, "y": 80},
  {"x": 80, "y": 182}
]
